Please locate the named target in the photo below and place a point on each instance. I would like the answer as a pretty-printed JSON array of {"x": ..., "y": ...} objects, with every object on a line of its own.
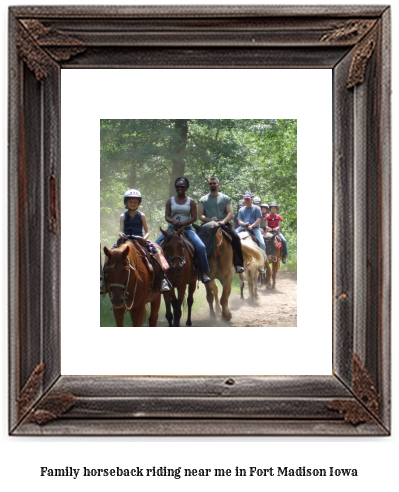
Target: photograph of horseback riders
[{"x": 198, "y": 222}]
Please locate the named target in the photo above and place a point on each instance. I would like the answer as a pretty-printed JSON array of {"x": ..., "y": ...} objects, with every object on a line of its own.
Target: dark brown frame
[{"x": 353, "y": 41}]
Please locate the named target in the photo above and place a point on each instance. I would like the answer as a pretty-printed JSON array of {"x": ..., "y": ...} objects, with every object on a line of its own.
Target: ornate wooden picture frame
[{"x": 352, "y": 41}]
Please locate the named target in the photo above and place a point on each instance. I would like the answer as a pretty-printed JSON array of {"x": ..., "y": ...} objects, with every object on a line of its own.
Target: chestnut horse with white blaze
[{"x": 130, "y": 285}]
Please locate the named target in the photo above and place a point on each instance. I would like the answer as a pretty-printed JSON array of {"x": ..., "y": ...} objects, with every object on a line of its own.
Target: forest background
[{"x": 256, "y": 156}]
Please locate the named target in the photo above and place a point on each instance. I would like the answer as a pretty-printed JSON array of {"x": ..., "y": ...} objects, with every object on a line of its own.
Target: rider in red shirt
[{"x": 273, "y": 224}]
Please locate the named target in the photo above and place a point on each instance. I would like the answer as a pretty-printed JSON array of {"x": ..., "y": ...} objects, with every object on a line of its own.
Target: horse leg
[
  {"x": 119, "y": 316},
  {"x": 168, "y": 314},
  {"x": 224, "y": 300},
  {"x": 155, "y": 303},
  {"x": 262, "y": 276},
  {"x": 275, "y": 270},
  {"x": 256, "y": 275},
  {"x": 215, "y": 291},
  {"x": 138, "y": 315},
  {"x": 210, "y": 296},
  {"x": 241, "y": 285},
  {"x": 190, "y": 301},
  {"x": 176, "y": 304},
  {"x": 268, "y": 274},
  {"x": 250, "y": 283}
]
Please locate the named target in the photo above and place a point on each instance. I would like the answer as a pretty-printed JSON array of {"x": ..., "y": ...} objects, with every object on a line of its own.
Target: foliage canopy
[{"x": 259, "y": 156}]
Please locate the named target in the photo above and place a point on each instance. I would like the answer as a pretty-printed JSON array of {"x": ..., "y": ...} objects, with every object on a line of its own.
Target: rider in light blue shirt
[{"x": 249, "y": 218}]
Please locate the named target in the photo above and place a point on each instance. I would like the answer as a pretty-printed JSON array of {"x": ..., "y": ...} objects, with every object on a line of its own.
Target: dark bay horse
[
  {"x": 274, "y": 259},
  {"x": 221, "y": 265},
  {"x": 179, "y": 275},
  {"x": 129, "y": 285}
]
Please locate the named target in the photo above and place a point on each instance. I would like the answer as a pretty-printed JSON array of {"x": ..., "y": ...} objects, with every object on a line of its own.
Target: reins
[
  {"x": 181, "y": 258},
  {"x": 124, "y": 287}
]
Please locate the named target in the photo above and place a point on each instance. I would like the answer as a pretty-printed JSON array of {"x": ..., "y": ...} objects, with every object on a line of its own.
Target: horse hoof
[{"x": 189, "y": 324}]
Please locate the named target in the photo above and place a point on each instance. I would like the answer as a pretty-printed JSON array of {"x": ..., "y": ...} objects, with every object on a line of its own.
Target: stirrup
[
  {"x": 284, "y": 260},
  {"x": 239, "y": 269},
  {"x": 205, "y": 278},
  {"x": 164, "y": 286}
]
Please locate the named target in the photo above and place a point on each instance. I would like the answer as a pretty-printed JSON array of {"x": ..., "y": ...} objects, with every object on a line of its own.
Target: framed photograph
[{"x": 353, "y": 44}]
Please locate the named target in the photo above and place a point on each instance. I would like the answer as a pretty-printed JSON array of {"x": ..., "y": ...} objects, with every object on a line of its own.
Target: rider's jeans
[
  {"x": 198, "y": 245},
  {"x": 258, "y": 235},
  {"x": 284, "y": 244}
]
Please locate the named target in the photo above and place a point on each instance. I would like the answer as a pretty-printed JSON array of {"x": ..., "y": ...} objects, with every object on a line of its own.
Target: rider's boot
[
  {"x": 239, "y": 269},
  {"x": 284, "y": 260},
  {"x": 205, "y": 277}
]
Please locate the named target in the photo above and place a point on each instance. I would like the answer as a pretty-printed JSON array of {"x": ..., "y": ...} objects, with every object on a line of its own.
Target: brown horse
[
  {"x": 129, "y": 285},
  {"x": 179, "y": 275},
  {"x": 274, "y": 260},
  {"x": 221, "y": 265}
]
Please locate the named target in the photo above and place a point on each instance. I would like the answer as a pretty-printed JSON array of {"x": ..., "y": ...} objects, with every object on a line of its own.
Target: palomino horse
[
  {"x": 221, "y": 264},
  {"x": 274, "y": 259},
  {"x": 180, "y": 274},
  {"x": 129, "y": 285},
  {"x": 254, "y": 258}
]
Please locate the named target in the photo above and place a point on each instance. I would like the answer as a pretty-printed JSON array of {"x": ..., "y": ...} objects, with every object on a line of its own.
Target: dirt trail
[{"x": 272, "y": 307}]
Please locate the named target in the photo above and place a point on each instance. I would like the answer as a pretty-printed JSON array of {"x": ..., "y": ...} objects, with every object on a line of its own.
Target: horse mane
[
  {"x": 252, "y": 253},
  {"x": 133, "y": 254}
]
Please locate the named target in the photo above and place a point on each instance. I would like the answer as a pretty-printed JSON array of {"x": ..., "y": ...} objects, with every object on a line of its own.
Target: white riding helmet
[
  {"x": 132, "y": 194},
  {"x": 256, "y": 200}
]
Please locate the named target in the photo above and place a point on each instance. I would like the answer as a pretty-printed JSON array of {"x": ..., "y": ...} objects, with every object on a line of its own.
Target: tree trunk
[{"x": 178, "y": 153}]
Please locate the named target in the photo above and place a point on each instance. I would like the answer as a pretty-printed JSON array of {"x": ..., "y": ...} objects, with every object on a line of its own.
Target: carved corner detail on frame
[
  {"x": 52, "y": 407},
  {"x": 38, "y": 46},
  {"x": 363, "y": 52},
  {"x": 351, "y": 31},
  {"x": 31, "y": 390},
  {"x": 353, "y": 411}
]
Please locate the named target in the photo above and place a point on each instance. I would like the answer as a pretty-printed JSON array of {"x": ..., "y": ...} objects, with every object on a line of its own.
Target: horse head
[
  {"x": 117, "y": 274},
  {"x": 174, "y": 250}
]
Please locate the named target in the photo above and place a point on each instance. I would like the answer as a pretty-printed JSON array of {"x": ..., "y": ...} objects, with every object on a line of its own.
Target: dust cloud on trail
[{"x": 271, "y": 308}]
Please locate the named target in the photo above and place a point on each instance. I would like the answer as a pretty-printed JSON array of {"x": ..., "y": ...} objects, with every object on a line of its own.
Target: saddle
[
  {"x": 188, "y": 245},
  {"x": 246, "y": 233}
]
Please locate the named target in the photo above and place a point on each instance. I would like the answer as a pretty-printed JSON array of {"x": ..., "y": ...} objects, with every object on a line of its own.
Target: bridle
[
  {"x": 182, "y": 258},
  {"x": 124, "y": 286}
]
